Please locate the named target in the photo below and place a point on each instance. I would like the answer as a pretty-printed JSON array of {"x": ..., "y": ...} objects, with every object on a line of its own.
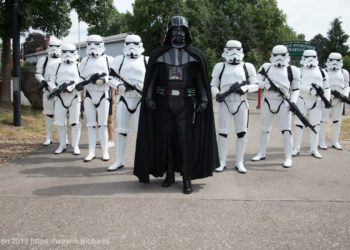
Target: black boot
[
  {"x": 169, "y": 179},
  {"x": 187, "y": 186}
]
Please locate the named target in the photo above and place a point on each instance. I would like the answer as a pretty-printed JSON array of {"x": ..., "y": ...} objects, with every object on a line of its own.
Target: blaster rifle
[
  {"x": 320, "y": 93},
  {"x": 293, "y": 107},
  {"x": 92, "y": 79},
  {"x": 126, "y": 83},
  {"x": 233, "y": 88},
  {"x": 340, "y": 96},
  {"x": 59, "y": 90}
]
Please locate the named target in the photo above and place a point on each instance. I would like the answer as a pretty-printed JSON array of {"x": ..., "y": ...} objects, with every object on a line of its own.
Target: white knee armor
[
  {"x": 287, "y": 78},
  {"x": 224, "y": 75},
  {"x": 132, "y": 67}
]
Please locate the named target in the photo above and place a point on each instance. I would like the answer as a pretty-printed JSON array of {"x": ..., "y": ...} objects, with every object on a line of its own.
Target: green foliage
[
  {"x": 258, "y": 24},
  {"x": 255, "y": 57},
  {"x": 334, "y": 42},
  {"x": 52, "y": 16},
  {"x": 34, "y": 42},
  {"x": 337, "y": 38},
  {"x": 113, "y": 25},
  {"x": 346, "y": 62}
]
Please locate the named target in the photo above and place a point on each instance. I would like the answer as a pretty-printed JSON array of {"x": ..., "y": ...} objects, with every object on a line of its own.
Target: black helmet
[{"x": 177, "y": 21}]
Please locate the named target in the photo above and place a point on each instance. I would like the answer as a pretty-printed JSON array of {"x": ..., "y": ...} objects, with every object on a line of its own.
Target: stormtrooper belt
[{"x": 190, "y": 92}]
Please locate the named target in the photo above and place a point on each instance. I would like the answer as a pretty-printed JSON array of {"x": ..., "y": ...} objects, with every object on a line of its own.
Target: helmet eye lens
[
  {"x": 135, "y": 43},
  {"x": 310, "y": 56},
  {"x": 338, "y": 60},
  {"x": 93, "y": 43},
  {"x": 279, "y": 54},
  {"x": 68, "y": 51},
  {"x": 52, "y": 46},
  {"x": 232, "y": 48}
]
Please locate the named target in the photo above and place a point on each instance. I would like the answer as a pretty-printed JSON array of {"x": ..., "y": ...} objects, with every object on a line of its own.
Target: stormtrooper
[
  {"x": 287, "y": 79},
  {"x": 339, "y": 81},
  {"x": 132, "y": 68},
  {"x": 309, "y": 101},
  {"x": 97, "y": 94},
  {"x": 46, "y": 67},
  {"x": 68, "y": 100},
  {"x": 176, "y": 125},
  {"x": 224, "y": 76}
]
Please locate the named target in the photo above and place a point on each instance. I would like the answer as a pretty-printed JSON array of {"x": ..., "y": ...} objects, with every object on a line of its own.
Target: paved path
[{"x": 60, "y": 202}]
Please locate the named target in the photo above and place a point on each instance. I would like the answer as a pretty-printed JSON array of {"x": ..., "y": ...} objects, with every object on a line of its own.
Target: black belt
[{"x": 190, "y": 92}]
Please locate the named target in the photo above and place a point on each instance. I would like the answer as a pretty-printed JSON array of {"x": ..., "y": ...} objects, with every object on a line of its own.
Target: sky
[{"x": 309, "y": 17}]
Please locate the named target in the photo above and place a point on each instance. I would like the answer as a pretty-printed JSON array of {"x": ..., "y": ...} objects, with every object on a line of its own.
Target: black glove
[
  {"x": 79, "y": 87},
  {"x": 94, "y": 77},
  {"x": 44, "y": 82},
  {"x": 150, "y": 104},
  {"x": 202, "y": 107},
  {"x": 218, "y": 98},
  {"x": 240, "y": 91}
]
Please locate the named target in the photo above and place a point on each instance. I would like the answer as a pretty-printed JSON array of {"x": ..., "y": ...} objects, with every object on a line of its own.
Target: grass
[
  {"x": 345, "y": 129},
  {"x": 18, "y": 141}
]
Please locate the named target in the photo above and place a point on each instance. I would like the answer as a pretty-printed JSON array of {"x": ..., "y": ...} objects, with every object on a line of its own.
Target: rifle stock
[
  {"x": 126, "y": 83},
  {"x": 320, "y": 93},
  {"x": 340, "y": 96}
]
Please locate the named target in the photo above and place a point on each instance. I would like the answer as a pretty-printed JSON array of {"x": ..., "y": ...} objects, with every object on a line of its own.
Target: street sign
[{"x": 296, "y": 48}]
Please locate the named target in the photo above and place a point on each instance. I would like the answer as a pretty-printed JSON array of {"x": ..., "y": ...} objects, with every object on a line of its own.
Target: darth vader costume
[{"x": 176, "y": 126}]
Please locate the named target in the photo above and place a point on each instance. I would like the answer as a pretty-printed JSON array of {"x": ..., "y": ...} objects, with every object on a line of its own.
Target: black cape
[{"x": 204, "y": 152}]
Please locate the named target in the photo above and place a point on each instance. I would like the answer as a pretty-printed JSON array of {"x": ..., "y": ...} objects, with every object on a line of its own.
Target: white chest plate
[
  {"x": 309, "y": 76},
  {"x": 133, "y": 70},
  {"x": 67, "y": 73}
]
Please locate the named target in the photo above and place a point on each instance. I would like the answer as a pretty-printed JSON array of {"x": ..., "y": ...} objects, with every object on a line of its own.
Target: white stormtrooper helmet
[
  {"x": 279, "y": 56},
  {"x": 334, "y": 61},
  {"x": 69, "y": 53},
  {"x": 54, "y": 48},
  {"x": 309, "y": 59},
  {"x": 133, "y": 46},
  {"x": 233, "y": 52},
  {"x": 95, "y": 46}
]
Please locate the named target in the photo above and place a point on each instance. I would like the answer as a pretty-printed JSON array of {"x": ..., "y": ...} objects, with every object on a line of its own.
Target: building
[{"x": 114, "y": 46}]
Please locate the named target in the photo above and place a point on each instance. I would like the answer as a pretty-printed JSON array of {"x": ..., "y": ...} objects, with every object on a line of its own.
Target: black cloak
[{"x": 204, "y": 151}]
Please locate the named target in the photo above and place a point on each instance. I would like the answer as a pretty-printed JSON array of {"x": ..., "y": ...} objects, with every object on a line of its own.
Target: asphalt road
[{"x": 52, "y": 201}]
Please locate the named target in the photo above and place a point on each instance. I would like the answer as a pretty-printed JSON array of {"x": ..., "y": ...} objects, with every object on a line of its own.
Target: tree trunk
[{"x": 6, "y": 67}]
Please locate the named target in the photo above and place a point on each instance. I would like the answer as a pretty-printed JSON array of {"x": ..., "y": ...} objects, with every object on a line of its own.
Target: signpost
[
  {"x": 296, "y": 49},
  {"x": 16, "y": 65}
]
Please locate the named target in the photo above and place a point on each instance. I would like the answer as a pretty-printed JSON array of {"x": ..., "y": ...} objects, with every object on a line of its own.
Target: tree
[
  {"x": 321, "y": 43},
  {"x": 34, "y": 42},
  {"x": 50, "y": 16},
  {"x": 337, "y": 38},
  {"x": 114, "y": 25},
  {"x": 334, "y": 42}
]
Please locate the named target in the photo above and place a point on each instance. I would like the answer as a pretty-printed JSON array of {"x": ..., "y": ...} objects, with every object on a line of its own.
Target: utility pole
[{"x": 16, "y": 64}]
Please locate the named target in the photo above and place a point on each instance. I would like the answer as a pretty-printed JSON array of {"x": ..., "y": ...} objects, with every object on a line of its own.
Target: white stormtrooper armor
[
  {"x": 132, "y": 67},
  {"x": 68, "y": 101},
  {"x": 224, "y": 75},
  {"x": 97, "y": 94},
  {"x": 287, "y": 78},
  {"x": 46, "y": 66},
  {"x": 309, "y": 103},
  {"x": 338, "y": 80}
]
